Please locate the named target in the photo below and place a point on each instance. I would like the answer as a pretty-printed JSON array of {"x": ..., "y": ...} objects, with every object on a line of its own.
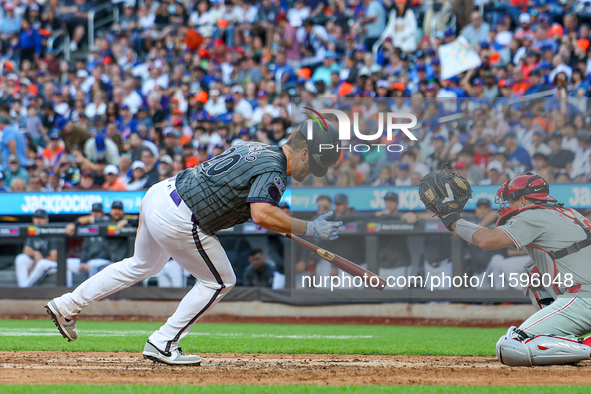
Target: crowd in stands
[{"x": 172, "y": 83}]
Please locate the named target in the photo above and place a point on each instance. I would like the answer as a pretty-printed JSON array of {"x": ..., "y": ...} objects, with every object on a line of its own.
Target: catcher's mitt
[{"x": 445, "y": 193}]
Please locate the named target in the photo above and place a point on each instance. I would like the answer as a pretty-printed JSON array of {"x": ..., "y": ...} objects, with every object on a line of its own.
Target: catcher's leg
[
  {"x": 549, "y": 336},
  {"x": 515, "y": 349}
]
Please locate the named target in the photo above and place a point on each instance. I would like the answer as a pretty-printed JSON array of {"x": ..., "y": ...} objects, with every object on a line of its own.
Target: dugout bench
[{"x": 371, "y": 229}]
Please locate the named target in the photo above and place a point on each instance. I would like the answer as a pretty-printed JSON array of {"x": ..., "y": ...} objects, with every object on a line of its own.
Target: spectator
[
  {"x": 242, "y": 106},
  {"x": 385, "y": 177},
  {"x": 260, "y": 272},
  {"x": 138, "y": 176},
  {"x": 54, "y": 149},
  {"x": 111, "y": 181},
  {"x": 297, "y": 15},
  {"x": 86, "y": 181},
  {"x": 580, "y": 164},
  {"x": 477, "y": 31},
  {"x": 517, "y": 156},
  {"x": 171, "y": 142},
  {"x": 39, "y": 256},
  {"x": 360, "y": 167},
  {"x": 410, "y": 157},
  {"x": 536, "y": 83},
  {"x": 346, "y": 178},
  {"x": 474, "y": 174},
  {"x": 98, "y": 106},
  {"x": 569, "y": 139},
  {"x": 559, "y": 159},
  {"x": 11, "y": 23},
  {"x": 402, "y": 27},
  {"x": 403, "y": 177},
  {"x": 101, "y": 147},
  {"x": 15, "y": 171},
  {"x": 374, "y": 21},
  {"x": 72, "y": 135},
  {"x": 3, "y": 187},
  {"x": 482, "y": 154},
  {"x": 323, "y": 72},
  {"x": 151, "y": 171},
  {"x": 461, "y": 168},
  {"x": 75, "y": 17},
  {"x": 12, "y": 142},
  {"x": 313, "y": 41},
  {"x": 126, "y": 122},
  {"x": 29, "y": 42},
  {"x": 539, "y": 163},
  {"x": 494, "y": 171},
  {"x": 537, "y": 144},
  {"x": 35, "y": 185}
]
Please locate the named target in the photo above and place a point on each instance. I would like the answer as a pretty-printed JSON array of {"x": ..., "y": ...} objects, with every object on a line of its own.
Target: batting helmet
[
  {"x": 323, "y": 146},
  {"x": 528, "y": 185}
]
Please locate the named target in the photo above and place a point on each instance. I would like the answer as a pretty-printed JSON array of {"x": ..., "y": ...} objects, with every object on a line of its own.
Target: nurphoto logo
[{"x": 344, "y": 127}]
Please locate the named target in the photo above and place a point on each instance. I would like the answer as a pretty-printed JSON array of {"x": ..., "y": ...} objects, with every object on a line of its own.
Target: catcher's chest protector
[{"x": 558, "y": 254}]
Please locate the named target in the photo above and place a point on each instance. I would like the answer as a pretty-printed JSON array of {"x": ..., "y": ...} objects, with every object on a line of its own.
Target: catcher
[{"x": 555, "y": 237}]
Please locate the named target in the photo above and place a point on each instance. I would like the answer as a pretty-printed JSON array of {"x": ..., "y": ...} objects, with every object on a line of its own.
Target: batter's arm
[{"x": 273, "y": 218}]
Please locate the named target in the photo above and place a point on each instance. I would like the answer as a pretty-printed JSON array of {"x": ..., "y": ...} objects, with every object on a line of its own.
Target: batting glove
[{"x": 322, "y": 228}]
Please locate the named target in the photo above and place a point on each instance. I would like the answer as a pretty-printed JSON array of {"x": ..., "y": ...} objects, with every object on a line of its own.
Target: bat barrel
[{"x": 342, "y": 263}]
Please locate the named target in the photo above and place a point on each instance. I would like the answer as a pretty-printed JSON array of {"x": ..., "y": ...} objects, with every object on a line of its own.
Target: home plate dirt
[{"x": 131, "y": 368}]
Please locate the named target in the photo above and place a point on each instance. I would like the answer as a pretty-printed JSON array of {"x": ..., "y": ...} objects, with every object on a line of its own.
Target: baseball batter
[
  {"x": 180, "y": 216},
  {"x": 558, "y": 276}
]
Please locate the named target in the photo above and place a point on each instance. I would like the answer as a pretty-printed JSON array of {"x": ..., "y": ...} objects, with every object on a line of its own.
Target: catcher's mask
[{"x": 529, "y": 185}]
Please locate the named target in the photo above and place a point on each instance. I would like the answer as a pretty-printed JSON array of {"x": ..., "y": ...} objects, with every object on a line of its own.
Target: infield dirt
[{"x": 271, "y": 369}]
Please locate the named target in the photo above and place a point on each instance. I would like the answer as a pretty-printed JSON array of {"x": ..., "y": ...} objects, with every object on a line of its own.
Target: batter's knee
[
  {"x": 230, "y": 281},
  {"x": 131, "y": 269}
]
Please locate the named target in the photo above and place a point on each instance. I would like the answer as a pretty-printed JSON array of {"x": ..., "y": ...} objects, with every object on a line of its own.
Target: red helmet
[{"x": 528, "y": 185}]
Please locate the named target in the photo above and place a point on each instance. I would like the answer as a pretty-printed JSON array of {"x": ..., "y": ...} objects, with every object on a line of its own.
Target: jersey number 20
[{"x": 222, "y": 163}]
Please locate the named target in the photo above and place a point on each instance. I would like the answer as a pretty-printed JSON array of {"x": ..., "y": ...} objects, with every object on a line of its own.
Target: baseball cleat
[
  {"x": 176, "y": 357},
  {"x": 66, "y": 327}
]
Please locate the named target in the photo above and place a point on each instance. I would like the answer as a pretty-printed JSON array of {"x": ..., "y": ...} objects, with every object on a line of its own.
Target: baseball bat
[{"x": 341, "y": 262}]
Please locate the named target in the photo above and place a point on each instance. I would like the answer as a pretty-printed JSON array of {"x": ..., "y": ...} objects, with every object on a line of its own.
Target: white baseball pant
[
  {"x": 22, "y": 266},
  {"x": 165, "y": 230}
]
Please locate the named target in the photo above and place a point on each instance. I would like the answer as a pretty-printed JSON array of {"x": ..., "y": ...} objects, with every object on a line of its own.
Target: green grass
[
  {"x": 34, "y": 335},
  {"x": 296, "y": 389}
]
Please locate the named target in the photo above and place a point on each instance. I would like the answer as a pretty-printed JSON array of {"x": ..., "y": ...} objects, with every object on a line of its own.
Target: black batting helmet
[{"x": 324, "y": 145}]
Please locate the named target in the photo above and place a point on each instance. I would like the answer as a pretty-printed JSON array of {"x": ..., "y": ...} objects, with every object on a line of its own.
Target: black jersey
[{"x": 218, "y": 191}]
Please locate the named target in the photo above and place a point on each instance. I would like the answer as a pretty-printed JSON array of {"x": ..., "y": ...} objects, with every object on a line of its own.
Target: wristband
[
  {"x": 466, "y": 230},
  {"x": 449, "y": 219},
  {"x": 309, "y": 229}
]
